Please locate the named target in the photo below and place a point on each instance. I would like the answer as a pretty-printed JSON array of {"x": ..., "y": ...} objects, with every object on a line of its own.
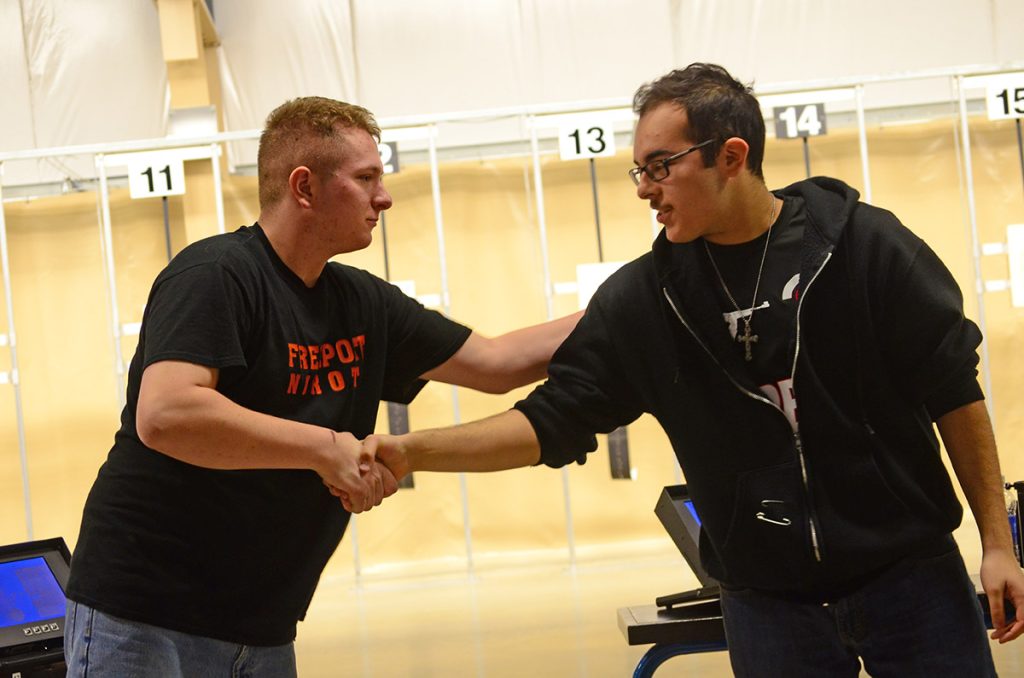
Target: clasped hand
[{"x": 365, "y": 472}]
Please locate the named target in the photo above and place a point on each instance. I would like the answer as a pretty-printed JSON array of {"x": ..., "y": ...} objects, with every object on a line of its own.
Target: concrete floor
[{"x": 533, "y": 617}]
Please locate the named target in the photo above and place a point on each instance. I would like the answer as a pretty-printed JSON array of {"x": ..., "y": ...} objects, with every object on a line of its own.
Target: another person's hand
[
  {"x": 390, "y": 451},
  {"x": 388, "y": 484},
  {"x": 1003, "y": 578},
  {"x": 390, "y": 481},
  {"x": 351, "y": 470}
]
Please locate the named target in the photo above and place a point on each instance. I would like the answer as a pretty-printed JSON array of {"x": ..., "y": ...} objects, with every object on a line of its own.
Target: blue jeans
[
  {"x": 97, "y": 645},
  {"x": 920, "y": 618}
]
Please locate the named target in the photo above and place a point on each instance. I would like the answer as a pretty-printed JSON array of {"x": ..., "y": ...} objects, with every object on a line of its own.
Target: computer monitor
[
  {"x": 677, "y": 513},
  {"x": 33, "y": 576}
]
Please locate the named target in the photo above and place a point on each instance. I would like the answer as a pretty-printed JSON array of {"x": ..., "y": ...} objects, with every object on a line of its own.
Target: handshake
[{"x": 361, "y": 473}]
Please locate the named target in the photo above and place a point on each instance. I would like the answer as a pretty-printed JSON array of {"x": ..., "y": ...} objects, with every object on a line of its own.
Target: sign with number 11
[{"x": 155, "y": 175}]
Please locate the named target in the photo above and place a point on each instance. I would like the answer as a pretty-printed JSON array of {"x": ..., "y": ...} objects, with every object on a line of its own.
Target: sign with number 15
[{"x": 1005, "y": 97}]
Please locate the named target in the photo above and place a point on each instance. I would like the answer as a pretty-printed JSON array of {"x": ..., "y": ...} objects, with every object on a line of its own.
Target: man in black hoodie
[{"x": 797, "y": 347}]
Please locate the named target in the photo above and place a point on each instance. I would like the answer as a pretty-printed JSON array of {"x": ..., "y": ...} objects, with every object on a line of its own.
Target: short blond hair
[{"x": 300, "y": 132}]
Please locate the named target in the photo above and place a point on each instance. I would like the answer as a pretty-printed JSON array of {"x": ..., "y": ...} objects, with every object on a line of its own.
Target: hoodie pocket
[
  {"x": 768, "y": 544},
  {"x": 918, "y": 498}
]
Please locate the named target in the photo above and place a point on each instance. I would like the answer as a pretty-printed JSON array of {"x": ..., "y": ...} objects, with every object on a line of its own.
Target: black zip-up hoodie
[{"x": 881, "y": 349}]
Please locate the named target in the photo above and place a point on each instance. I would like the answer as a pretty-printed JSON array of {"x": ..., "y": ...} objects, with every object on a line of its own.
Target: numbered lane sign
[
  {"x": 590, "y": 276},
  {"x": 804, "y": 120},
  {"x": 155, "y": 174},
  {"x": 586, "y": 138},
  {"x": 1005, "y": 97},
  {"x": 389, "y": 156}
]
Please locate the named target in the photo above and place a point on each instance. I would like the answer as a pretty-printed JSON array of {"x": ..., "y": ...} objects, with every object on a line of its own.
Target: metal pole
[
  {"x": 435, "y": 187},
  {"x": 807, "y": 157},
  {"x": 1020, "y": 149},
  {"x": 384, "y": 242},
  {"x": 106, "y": 242},
  {"x": 167, "y": 228},
  {"x": 979, "y": 285},
  {"x": 570, "y": 535},
  {"x": 12, "y": 344},
  {"x": 353, "y": 531},
  {"x": 541, "y": 221},
  {"x": 218, "y": 194},
  {"x": 863, "y": 136},
  {"x": 597, "y": 210},
  {"x": 620, "y": 434}
]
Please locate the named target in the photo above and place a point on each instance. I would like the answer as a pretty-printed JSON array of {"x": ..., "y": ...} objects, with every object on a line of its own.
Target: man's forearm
[
  {"x": 202, "y": 427},
  {"x": 497, "y": 443},
  {"x": 500, "y": 364},
  {"x": 967, "y": 435},
  {"x": 530, "y": 349},
  {"x": 181, "y": 414},
  {"x": 212, "y": 432}
]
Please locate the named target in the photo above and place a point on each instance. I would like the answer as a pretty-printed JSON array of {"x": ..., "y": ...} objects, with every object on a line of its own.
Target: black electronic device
[
  {"x": 1016, "y": 526},
  {"x": 678, "y": 515},
  {"x": 33, "y": 576}
]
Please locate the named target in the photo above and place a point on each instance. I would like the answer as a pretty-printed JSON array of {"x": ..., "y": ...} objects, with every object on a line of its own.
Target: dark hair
[
  {"x": 717, "y": 107},
  {"x": 297, "y": 133}
]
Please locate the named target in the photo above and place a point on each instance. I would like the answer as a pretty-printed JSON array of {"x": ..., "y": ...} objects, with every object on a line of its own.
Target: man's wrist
[
  {"x": 322, "y": 453},
  {"x": 997, "y": 547},
  {"x": 412, "y": 449}
]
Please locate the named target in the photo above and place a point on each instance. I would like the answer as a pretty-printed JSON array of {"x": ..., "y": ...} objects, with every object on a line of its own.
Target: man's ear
[
  {"x": 732, "y": 157},
  {"x": 300, "y": 185}
]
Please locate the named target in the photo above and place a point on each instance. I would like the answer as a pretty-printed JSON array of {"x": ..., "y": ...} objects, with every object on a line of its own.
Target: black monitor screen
[
  {"x": 29, "y": 592},
  {"x": 688, "y": 503},
  {"x": 677, "y": 513}
]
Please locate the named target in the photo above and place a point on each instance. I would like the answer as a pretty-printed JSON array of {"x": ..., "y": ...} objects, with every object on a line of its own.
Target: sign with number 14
[{"x": 807, "y": 120}]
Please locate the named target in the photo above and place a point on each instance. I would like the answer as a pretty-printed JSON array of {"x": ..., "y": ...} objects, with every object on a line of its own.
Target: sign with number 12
[{"x": 389, "y": 156}]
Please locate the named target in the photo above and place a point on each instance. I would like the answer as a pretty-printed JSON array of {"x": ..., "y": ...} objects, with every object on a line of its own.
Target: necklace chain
[{"x": 747, "y": 338}]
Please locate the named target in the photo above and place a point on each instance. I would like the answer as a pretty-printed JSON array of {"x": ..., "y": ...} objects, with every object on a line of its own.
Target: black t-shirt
[
  {"x": 774, "y": 317},
  {"x": 236, "y": 555}
]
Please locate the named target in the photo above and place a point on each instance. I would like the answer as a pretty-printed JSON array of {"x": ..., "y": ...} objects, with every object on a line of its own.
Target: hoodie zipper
[
  {"x": 696, "y": 338},
  {"x": 798, "y": 442},
  {"x": 811, "y": 519}
]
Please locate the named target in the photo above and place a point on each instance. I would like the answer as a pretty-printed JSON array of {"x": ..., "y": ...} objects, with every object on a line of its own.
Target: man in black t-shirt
[
  {"x": 797, "y": 347},
  {"x": 260, "y": 365}
]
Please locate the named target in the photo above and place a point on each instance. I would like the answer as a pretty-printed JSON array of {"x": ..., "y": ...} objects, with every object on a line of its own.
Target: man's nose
[
  {"x": 382, "y": 200},
  {"x": 645, "y": 187}
]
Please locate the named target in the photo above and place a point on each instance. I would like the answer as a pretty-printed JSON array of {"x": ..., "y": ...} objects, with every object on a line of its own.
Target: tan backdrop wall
[{"x": 494, "y": 270}]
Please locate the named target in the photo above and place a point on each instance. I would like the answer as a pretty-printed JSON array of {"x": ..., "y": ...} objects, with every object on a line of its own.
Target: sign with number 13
[{"x": 580, "y": 138}]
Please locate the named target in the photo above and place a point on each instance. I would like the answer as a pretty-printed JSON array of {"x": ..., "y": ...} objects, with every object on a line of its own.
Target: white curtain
[
  {"x": 83, "y": 71},
  {"x": 78, "y": 72},
  {"x": 272, "y": 51},
  {"x": 797, "y": 40}
]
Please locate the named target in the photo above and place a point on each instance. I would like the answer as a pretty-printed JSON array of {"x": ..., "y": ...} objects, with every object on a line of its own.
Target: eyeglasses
[{"x": 656, "y": 170}]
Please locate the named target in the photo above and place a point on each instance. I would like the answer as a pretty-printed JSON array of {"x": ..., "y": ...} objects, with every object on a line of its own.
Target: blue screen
[
  {"x": 29, "y": 592},
  {"x": 693, "y": 511}
]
